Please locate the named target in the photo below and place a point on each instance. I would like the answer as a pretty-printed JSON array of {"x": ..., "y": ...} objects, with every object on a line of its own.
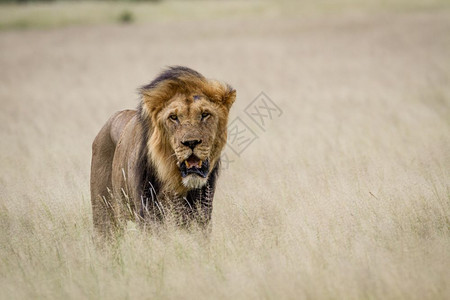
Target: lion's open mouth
[{"x": 193, "y": 165}]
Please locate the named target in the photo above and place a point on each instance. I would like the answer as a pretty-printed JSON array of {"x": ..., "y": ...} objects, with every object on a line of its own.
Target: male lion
[{"x": 162, "y": 158}]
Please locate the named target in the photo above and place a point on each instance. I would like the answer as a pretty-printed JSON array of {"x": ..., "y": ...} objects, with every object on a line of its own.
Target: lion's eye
[
  {"x": 173, "y": 117},
  {"x": 205, "y": 115}
]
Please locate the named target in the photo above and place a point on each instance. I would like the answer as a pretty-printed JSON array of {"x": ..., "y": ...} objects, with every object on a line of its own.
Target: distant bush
[{"x": 126, "y": 17}]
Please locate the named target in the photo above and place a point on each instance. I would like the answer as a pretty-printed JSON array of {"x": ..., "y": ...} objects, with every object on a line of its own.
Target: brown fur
[{"x": 135, "y": 170}]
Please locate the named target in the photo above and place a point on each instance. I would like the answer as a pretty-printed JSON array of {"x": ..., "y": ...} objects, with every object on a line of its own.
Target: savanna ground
[{"x": 346, "y": 195}]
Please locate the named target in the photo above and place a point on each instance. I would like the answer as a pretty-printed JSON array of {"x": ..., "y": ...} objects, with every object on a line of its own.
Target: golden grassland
[{"x": 346, "y": 195}]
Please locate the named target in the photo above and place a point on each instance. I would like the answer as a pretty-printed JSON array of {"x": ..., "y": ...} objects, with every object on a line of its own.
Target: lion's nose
[{"x": 191, "y": 143}]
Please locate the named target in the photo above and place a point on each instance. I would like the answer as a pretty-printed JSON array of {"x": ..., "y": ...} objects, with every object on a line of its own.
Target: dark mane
[
  {"x": 146, "y": 171},
  {"x": 149, "y": 183},
  {"x": 173, "y": 73},
  {"x": 203, "y": 198}
]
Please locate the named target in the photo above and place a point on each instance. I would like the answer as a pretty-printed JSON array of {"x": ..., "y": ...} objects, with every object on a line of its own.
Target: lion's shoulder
[{"x": 119, "y": 122}]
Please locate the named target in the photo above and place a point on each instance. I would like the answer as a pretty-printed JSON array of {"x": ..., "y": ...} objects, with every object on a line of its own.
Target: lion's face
[
  {"x": 191, "y": 123},
  {"x": 187, "y": 116}
]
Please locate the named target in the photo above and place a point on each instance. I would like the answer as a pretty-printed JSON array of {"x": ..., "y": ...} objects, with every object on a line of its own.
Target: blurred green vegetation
[
  {"x": 126, "y": 17},
  {"x": 35, "y": 1},
  {"x": 23, "y": 14}
]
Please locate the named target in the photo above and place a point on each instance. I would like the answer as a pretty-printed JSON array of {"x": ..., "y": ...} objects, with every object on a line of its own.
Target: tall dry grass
[{"x": 345, "y": 196}]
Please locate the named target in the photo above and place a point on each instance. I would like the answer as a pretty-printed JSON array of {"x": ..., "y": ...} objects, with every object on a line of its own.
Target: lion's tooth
[
  {"x": 187, "y": 164},
  {"x": 200, "y": 164}
]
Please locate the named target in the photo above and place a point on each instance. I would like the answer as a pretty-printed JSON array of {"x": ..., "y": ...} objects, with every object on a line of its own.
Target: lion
[{"x": 163, "y": 158}]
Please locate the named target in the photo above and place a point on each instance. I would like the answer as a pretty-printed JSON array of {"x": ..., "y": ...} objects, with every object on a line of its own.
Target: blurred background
[{"x": 343, "y": 194}]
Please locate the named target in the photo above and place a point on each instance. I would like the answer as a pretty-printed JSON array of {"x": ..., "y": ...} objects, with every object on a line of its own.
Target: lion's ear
[{"x": 229, "y": 97}]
